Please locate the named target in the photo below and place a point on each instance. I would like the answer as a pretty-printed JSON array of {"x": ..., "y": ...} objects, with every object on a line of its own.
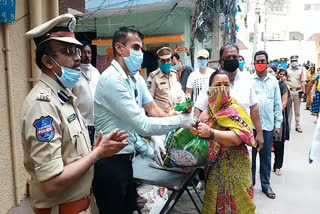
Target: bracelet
[{"x": 212, "y": 134}]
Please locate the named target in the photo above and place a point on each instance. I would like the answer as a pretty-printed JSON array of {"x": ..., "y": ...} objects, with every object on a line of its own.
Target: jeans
[{"x": 265, "y": 160}]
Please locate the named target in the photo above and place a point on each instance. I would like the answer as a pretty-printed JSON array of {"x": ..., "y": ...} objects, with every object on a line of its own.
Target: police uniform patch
[
  {"x": 72, "y": 117},
  {"x": 44, "y": 129},
  {"x": 149, "y": 83}
]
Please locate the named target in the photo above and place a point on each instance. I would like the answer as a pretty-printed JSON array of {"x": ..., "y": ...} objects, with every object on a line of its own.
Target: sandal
[
  {"x": 278, "y": 172},
  {"x": 141, "y": 201}
]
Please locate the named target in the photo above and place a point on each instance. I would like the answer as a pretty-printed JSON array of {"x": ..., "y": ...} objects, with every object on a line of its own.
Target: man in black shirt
[{"x": 183, "y": 71}]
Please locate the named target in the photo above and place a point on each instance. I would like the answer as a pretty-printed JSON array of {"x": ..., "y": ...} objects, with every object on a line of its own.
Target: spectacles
[{"x": 70, "y": 51}]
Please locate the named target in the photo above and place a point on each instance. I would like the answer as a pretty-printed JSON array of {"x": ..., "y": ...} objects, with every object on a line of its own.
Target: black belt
[{"x": 127, "y": 157}]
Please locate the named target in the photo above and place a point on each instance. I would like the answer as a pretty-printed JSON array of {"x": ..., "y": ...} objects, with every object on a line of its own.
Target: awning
[{"x": 147, "y": 40}]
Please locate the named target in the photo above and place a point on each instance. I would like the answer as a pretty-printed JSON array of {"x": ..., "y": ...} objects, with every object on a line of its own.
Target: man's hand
[
  {"x": 187, "y": 120},
  {"x": 277, "y": 132},
  {"x": 159, "y": 150},
  {"x": 111, "y": 144},
  {"x": 259, "y": 141}
]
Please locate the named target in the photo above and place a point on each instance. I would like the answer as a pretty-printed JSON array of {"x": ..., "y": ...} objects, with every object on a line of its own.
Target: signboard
[{"x": 7, "y": 11}]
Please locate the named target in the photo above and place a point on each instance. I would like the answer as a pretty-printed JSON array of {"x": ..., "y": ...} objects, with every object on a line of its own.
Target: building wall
[
  {"x": 19, "y": 54},
  {"x": 74, "y": 4}
]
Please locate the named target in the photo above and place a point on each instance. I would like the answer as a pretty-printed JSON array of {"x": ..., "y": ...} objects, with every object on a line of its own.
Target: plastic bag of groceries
[
  {"x": 176, "y": 95},
  {"x": 185, "y": 149}
]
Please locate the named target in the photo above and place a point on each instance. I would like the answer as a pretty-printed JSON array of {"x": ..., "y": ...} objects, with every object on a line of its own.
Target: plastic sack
[
  {"x": 176, "y": 94},
  {"x": 185, "y": 149},
  {"x": 155, "y": 202}
]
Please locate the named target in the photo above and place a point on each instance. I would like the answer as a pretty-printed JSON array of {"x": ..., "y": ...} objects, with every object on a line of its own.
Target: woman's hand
[{"x": 203, "y": 130}]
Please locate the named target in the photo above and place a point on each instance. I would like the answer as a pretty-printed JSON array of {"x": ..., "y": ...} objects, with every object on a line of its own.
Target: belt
[
  {"x": 67, "y": 208},
  {"x": 295, "y": 89},
  {"x": 128, "y": 157}
]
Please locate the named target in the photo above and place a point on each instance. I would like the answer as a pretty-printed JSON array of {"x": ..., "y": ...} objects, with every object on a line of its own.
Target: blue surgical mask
[
  {"x": 165, "y": 68},
  {"x": 134, "y": 61},
  {"x": 69, "y": 76},
  {"x": 176, "y": 67},
  {"x": 241, "y": 64},
  {"x": 294, "y": 64},
  {"x": 202, "y": 63}
]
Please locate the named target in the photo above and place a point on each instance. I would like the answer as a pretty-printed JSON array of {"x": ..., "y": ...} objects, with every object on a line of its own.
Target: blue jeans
[{"x": 265, "y": 160}]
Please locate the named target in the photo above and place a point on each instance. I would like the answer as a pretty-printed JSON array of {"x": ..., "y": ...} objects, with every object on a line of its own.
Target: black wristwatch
[{"x": 212, "y": 134}]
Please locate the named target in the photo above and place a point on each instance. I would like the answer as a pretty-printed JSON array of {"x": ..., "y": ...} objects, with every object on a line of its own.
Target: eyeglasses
[{"x": 70, "y": 51}]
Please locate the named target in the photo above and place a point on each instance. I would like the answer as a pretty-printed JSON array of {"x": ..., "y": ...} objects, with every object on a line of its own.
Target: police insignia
[
  {"x": 149, "y": 84},
  {"x": 44, "y": 129}
]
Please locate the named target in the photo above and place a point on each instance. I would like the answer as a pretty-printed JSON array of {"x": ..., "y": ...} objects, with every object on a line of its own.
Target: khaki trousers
[{"x": 296, "y": 100}]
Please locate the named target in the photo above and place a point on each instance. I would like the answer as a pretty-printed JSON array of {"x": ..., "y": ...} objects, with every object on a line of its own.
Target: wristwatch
[{"x": 212, "y": 134}]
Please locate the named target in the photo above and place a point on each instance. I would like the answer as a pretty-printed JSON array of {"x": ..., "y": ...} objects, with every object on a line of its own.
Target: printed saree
[{"x": 228, "y": 173}]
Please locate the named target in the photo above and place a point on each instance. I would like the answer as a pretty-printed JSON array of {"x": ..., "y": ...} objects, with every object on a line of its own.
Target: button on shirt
[
  {"x": 85, "y": 89},
  {"x": 241, "y": 89},
  {"x": 53, "y": 135},
  {"x": 115, "y": 107},
  {"x": 269, "y": 102}
]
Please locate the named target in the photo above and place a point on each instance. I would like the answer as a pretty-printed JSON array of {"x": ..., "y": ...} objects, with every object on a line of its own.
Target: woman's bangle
[{"x": 212, "y": 134}]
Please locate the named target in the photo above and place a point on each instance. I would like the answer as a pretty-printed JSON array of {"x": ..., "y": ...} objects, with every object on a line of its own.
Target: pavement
[{"x": 297, "y": 189}]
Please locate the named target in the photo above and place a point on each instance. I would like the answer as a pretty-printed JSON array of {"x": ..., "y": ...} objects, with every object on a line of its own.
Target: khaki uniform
[
  {"x": 54, "y": 135},
  {"x": 294, "y": 79},
  {"x": 159, "y": 85}
]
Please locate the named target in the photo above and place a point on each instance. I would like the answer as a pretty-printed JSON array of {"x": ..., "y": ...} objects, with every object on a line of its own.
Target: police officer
[
  {"x": 296, "y": 84},
  {"x": 161, "y": 80},
  {"x": 54, "y": 135}
]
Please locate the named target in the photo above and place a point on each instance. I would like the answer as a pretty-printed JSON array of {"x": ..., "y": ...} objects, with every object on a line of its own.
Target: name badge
[
  {"x": 72, "y": 117},
  {"x": 162, "y": 83}
]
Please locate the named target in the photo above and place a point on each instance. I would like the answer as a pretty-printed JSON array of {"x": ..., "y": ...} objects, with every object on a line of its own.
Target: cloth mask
[
  {"x": 231, "y": 65},
  {"x": 165, "y": 68},
  {"x": 261, "y": 67},
  {"x": 134, "y": 61},
  {"x": 176, "y": 67},
  {"x": 241, "y": 64},
  {"x": 218, "y": 96},
  {"x": 69, "y": 76},
  {"x": 202, "y": 63},
  {"x": 294, "y": 64}
]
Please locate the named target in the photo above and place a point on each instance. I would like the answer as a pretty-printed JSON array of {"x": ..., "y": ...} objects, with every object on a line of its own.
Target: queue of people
[{"x": 83, "y": 130}]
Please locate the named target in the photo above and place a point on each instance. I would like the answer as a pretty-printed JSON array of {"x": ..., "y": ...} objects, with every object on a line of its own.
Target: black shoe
[{"x": 269, "y": 193}]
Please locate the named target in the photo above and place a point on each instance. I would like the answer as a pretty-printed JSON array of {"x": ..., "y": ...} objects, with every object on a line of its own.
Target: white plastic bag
[
  {"x": 176, "y": 94},
  {"x": 155, "y": 201}
]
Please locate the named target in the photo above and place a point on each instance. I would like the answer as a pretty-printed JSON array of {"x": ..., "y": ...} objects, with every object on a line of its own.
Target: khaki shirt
[
  {"x": 295, "y": 77},
  {"x": 159, "y": 85},
  {"x": 53, "y": 135}
]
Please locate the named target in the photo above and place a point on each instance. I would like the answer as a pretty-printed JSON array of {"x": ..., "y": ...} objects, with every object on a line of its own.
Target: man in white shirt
[
  {"x": 198, "y": 81},
  {"x": 241, "y": 88},
  {"x": 86, "y": 87}
]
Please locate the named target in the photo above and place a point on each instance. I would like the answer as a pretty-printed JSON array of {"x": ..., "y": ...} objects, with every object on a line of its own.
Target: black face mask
[{"x": 231, "y": 65}]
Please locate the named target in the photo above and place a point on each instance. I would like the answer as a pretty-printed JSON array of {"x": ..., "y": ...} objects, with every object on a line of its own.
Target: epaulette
[
  {"x": 44, "y": 95},
  {"x": 153, "y": 73}
]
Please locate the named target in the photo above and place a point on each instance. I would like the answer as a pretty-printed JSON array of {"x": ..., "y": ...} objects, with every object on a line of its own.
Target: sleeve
[
  {"x": 202, "y": 101},
  {"x": 146, "y": 96},
  {"x": 190, "y": 81},
  {"x": 151, "y": 86},
  {"x": 277, "y": 107},
  {"x": 253, "y": 97},
  {"x": 120, "y": 103},
  {"x": 303, "y": 76},
  {"x": 42, "y": 132}
]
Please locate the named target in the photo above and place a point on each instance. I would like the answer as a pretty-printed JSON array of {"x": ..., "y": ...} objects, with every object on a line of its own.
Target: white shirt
[
  {"x": 199, "y": 82},
  {"x": 242, "y": 90},
  {"x": 85, "y": 90}
]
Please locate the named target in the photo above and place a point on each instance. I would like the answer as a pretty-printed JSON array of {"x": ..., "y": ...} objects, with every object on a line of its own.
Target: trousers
[
  {"x": 265, "y": 160},
  {"x": 278, "y": 154},
  {"x": 296, "y": 100},
  {"x": 113, "y": 185}
]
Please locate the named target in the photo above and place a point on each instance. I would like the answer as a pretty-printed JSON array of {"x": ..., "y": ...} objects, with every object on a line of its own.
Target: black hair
[
  {"x": 241, "y": 57},
  {"x": 283, "y": 70},
  {"x": 227, "y": 46},
  {"x": 121, "y": 36},
  {"x": 218, "y": 71},
  {"x": 273, "y": 67},
  {"x": 84, "y": 44},
  {"x": 43, "y": 49},
  {"x": 176, "y": 55},
  {"x": 261, "y": 53}
]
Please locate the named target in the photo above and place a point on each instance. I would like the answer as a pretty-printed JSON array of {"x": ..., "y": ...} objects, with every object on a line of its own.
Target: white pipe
[{"x": 11, "y": 113}]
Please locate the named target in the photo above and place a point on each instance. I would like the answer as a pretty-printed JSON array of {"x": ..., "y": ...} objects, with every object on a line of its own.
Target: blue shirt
[
  {"x": 115, "y": 107},
  {"x": 269, "y": 101},
  {"x": 141, "y": 91}
]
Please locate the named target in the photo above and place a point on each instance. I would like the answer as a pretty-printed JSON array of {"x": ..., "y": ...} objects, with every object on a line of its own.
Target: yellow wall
[{"x": 19, "y": 54}]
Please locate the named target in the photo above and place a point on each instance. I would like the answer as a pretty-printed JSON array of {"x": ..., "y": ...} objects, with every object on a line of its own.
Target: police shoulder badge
[{"x": 44, "y": 129}]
